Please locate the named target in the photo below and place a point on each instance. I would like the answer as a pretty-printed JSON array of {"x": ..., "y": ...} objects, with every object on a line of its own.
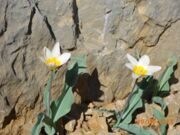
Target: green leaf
[
  {"x": 134, "y": 129},
  {"x": 134, "y": 103},
  {"x": 164, "y": 79},
  {"x": 138, "y": 105},
  {"x": 77, "y": 66},
  {"x": 81, "y": 62},
  {"x": 160, "y": 101},
  {"x": 135, "y": 99},
  {"x": 49, "y": 130},
  {"x": 50, "y": 127},
  {"x": 72, "y": 76},
  {"x": 47, "y": 93},
  {"x": 160, "y": 116},
  {"x": 62, "y": 105},
  {"x": 39, "y": 124}
]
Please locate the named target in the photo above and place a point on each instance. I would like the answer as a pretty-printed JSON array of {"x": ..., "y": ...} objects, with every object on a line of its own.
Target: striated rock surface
[{"x": 104, "y": 30}]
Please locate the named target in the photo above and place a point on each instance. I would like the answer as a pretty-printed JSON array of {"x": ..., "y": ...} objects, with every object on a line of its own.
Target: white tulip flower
[
  {"x": 141, "y": 67},
  {"x": 54, "y": 58}
]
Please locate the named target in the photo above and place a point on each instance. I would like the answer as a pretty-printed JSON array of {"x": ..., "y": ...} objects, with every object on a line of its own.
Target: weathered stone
[
  {"x": 70, "y": 126},
  {"x": 168, "y": 46},
  {"x": 62, "y": 21},
  {"x": 161, "y": 12},
  {"x": 80, "y": 121},
  {"x": 97, "y": 124},
  {"x": 77, "y": 132},
  {"x": 159, "y": 16},
  {"x": 108, "y": 133},
  {"x": 102, "y": 29},
  {"x": 3, "y": 20}
]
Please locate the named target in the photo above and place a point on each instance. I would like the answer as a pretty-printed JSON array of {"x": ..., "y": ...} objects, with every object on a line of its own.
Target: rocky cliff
[{"x": 104, "y": 30}]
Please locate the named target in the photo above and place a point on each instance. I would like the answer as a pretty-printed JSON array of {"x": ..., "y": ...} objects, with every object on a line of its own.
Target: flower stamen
[
  {"x": 140, "y": 70},
  {"x": 53, "y": 61}
]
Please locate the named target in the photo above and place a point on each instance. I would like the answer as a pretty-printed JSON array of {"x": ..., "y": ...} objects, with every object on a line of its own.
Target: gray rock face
[
  {"x": 161, "y": 12},
  {"x": 102, "y": 29},
  {"x": 62, "y": 17}
]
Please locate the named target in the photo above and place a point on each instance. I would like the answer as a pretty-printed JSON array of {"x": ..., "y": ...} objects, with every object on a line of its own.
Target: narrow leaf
[
  {"x": 37, "y": 127},
  {"x": 136, "y": 106},
  {"x": 81, "y": 62},
  {"x": 77, "y": 66},
  {"x": 47, "y": 94},
  {"x": 134, "y": 103},
  {"x": 160, "y": 116},
  {"x": 160, "y": 101},
  {"x": 49, "y": 129},
  {"x": 64, "y": 105},
  {"x": 164, "y": 79}
]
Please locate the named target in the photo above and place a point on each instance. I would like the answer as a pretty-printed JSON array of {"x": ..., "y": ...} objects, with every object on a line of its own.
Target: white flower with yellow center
[
  {"x": 141, "y": 67},
  {"x": 54, "y": 58}
]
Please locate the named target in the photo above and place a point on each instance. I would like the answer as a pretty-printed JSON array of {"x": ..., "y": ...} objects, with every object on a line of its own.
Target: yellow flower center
[
  {"x": 53, "y": 61},
  {"x": 140, "y": 70}
]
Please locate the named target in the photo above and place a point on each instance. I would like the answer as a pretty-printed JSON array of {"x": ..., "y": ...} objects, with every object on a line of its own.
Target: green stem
[
  {"x": 47, "y": 93},
  {"x": 129, "y": 97},
  {"x": 49, "y": 103},
  {"x": 134, "y": 84}
]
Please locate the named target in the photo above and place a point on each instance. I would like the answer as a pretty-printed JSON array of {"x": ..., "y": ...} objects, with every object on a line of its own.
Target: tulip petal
[
  {"x": 64, "y": 57},
  {"x": 47, "y": 52},
  {"x": 129, "y": 65},
  {"x": 135, "y": 76},
  {"x": 153, "y": 69},
  {"x": 144, "y": 60},
  {"x": 56, "y": 50},
  {"x": 132, "y": 59}
]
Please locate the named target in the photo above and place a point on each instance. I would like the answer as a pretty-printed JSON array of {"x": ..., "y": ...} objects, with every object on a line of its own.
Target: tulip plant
[
  {"x": 141, "y": 68},
  {"x": 56, "y": 109},
  {"x": 143, "y": 71}
]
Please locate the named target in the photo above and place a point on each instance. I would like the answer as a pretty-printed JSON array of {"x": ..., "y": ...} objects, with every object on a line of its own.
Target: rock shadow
[
  {"x": 88, "y": 87},
  {"x": 88, "y": 90}
]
